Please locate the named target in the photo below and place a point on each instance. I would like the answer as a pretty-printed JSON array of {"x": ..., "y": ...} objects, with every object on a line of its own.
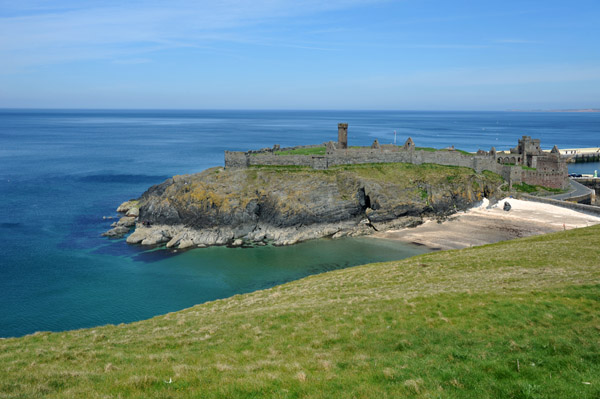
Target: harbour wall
[
  {"x": 592, "y": 183},
  {"x": 590, "y": 209},
  {"x": 579, "y": 155}
]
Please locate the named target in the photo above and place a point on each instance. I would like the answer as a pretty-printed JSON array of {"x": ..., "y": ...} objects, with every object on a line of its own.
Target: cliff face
[{"x": 285, "y": 205}]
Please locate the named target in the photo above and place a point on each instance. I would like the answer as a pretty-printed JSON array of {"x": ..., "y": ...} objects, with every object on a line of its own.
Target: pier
[{"x": 577, "y": 155}]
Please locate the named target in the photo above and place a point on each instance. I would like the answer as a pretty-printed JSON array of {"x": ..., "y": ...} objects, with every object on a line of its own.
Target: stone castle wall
[
  {"x": 546, "y": 179},
  {"x": 362, "y": 156},
  {"x": 550, "y": 171}
]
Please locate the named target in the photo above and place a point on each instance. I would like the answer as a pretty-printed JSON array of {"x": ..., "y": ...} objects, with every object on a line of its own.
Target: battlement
[{"x": 526, "y": 163}]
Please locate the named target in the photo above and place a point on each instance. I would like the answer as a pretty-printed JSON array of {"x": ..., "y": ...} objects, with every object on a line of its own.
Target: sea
[{"x": 64, "y": 172}]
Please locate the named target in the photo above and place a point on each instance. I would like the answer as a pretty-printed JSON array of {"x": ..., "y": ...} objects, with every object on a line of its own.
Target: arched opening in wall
[{"x": 512, "y": 160}]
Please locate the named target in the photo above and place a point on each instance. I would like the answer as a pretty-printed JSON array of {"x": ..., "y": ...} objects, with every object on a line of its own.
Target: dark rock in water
[
  {"x": 507, "y": 206},
  {"x": 284, "y": 206},
  {"x": 117, "y": 232}
]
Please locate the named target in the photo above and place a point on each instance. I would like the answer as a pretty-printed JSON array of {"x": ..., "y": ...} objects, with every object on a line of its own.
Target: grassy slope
[
  {"x": 516, "y": 319},
  {"x": 404, "y": 174}
]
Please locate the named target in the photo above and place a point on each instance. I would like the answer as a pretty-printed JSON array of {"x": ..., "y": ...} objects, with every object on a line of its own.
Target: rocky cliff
[{"x": 285, "y": 205}]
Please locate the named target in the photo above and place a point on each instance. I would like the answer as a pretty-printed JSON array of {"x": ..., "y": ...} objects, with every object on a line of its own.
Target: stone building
[{"x": 540, "y": 168}]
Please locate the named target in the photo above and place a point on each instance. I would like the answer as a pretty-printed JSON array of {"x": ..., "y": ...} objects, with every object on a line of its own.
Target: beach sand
[{"x": 488, "y": 224}]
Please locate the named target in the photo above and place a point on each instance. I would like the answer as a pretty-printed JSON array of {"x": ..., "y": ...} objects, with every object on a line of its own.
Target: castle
[{"x": 526, "y": 163}]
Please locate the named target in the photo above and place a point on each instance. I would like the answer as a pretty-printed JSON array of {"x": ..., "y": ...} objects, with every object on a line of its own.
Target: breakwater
[{"x": 581, "y": 155}]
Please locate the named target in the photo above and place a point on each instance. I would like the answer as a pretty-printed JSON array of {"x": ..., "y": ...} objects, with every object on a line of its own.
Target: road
[{"x": 577, "y": 190}]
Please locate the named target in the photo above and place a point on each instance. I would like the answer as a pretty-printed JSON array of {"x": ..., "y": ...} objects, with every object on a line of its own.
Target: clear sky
[{"x": 302, "y": 54}]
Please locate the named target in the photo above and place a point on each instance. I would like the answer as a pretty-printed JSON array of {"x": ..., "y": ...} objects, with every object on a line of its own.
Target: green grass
[
  {"x": 303, "y": 151},
  {"x": 518, "y": 319},
  {"x": 525, "y": 188},
  {"x": 532, "y": 189},
  {"x": 525, "y": 167},
  {"x": 392, "y": 172},
  {"x": 555, "y": 190},
  {"x": 431, "y": 149},
  {"x": 428, "y": 172}
]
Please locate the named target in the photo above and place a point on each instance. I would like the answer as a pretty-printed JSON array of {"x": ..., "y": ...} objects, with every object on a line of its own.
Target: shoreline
[{"x": 487, "y": 224}]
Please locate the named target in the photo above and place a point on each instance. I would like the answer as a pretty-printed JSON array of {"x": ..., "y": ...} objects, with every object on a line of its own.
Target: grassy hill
[{"x": 518, "y": 319}]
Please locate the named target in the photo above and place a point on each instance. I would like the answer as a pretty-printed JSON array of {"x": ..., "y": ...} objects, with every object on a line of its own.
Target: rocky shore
[{"x": 283, "y": 206}]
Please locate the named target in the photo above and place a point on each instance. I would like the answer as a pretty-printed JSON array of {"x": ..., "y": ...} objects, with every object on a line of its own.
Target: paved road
[{"x": 577, "y": 190}]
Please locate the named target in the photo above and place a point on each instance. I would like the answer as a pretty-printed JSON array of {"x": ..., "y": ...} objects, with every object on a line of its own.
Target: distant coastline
[{"x": 583, "y": 110}]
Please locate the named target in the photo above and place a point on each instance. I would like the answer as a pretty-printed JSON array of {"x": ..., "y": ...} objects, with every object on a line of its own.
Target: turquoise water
[
  {"x": 116, "y": 283},
  {"x": 62, "y": 171}
]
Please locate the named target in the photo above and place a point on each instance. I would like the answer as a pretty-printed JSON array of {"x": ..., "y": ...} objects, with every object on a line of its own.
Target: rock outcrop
[
  {"x": 285, "y": 205},
  {"x": 124, "y": 225}
]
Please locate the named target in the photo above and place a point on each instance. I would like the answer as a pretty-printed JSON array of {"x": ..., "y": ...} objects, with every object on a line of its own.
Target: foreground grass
[{"x": 518, "y": 319}]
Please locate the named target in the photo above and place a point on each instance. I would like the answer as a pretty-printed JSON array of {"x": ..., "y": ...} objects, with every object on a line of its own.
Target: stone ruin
[{"x": 526, "y": 163}]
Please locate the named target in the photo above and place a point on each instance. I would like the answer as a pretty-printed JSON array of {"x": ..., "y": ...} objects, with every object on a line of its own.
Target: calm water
[{"x": 62, "y": 171}]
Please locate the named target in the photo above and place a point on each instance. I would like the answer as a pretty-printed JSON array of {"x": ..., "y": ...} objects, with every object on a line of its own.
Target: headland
[{"x": 282, "y": 196}]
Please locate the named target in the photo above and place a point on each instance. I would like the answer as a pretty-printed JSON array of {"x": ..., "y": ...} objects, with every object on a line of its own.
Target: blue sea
[{"x": 63, "y": 171}]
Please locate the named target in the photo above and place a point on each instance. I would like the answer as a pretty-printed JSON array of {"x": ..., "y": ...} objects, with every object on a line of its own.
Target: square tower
[{"x": 342, "y": 136}]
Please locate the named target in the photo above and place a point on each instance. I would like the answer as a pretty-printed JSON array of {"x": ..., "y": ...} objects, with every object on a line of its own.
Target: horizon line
[{"x": 572, "y": 110}]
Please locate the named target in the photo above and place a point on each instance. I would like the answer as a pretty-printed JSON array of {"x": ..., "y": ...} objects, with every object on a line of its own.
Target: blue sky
[{"x": 304, "y": 54}]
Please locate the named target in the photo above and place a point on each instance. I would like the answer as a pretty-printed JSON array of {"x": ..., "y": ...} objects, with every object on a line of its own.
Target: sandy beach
[{"x": 487, "y": 224}]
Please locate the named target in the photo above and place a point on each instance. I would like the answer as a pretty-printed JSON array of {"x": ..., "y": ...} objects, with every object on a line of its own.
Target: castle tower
[{"x": 342, "y": 136}]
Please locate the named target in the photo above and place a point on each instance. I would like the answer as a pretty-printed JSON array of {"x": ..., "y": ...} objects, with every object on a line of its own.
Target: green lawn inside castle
[{"x": 516, "y": 319}]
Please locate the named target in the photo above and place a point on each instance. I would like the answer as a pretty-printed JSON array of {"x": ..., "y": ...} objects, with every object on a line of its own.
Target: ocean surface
[{"x": 62, "y": 171}]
